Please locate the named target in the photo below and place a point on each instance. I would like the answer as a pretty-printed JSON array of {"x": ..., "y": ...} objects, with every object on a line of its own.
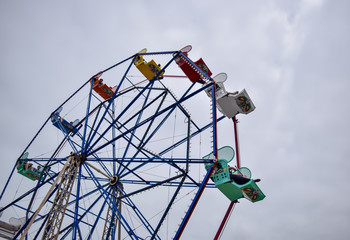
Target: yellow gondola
[{"x": 148, "y": 69}]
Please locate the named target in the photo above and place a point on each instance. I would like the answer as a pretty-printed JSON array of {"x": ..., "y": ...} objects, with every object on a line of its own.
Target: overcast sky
[{"x": 293, "y": 57}]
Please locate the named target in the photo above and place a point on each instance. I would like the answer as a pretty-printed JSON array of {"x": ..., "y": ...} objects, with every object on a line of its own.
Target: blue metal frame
[
  {"x": 113, "y": 206},
  {"x": 90, "y": 140}
]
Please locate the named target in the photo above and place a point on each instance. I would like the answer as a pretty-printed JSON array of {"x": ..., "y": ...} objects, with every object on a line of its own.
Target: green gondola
[
  {"x": 221, "y": 178},
  {"x": 24, "y": 168}
]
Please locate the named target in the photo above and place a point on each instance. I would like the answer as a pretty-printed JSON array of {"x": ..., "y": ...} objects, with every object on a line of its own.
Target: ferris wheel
[{"x": 123, "y": 155}]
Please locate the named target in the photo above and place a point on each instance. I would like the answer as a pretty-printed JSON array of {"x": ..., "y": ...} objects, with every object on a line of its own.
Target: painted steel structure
[{"x": 114, "y": 152}]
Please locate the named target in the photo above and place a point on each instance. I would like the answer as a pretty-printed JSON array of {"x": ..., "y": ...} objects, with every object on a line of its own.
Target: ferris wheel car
[
  {"x": 62, "y": 124},
  {"x": 102, "y": 89},
  {"x": 9, "y": 229},
  {"x": 149, "y": 69},
  {"x": 231, "y": 189},
  {"x": 230, "y": 103},
  {"x": 26, "y": 169},
  {"x": 191, "y": 72}
]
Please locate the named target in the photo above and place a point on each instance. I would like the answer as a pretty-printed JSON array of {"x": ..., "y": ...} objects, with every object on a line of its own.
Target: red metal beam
[{"x": 223, "y": 223}]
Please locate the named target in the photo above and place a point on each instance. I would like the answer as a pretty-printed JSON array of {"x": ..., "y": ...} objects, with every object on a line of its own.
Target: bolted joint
[
  {"x": 114, "y": 180},
  {"x": 78, "y": 159},
  {"x": 82, "y": 158}
]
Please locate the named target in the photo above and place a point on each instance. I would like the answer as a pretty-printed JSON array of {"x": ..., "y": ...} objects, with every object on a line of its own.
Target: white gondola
[
  {"x": 9, "y": 230},
  {"x": 230, "y": 103}
]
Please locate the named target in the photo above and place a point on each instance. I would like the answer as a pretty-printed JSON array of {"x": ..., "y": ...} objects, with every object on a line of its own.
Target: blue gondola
[{"x": 64, "y": 125}]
